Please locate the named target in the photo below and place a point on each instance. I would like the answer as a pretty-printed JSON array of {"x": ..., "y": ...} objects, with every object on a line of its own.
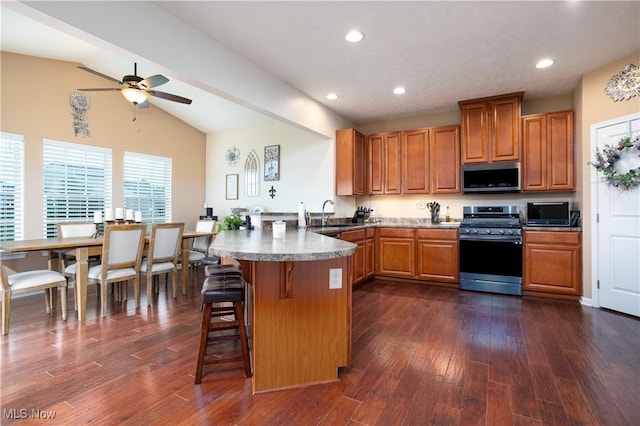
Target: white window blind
[
  {"x": 147, "y": 186},
  {"x": 11, "y": 186},
  {"x": 76, "y": 182}
]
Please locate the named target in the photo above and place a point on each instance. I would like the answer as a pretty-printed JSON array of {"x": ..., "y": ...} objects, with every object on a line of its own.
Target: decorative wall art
[
  {"x": 80, "y": 105},
  {"x": 272, "y": 162},
  {"x": 625, "y": 84},
  {"x": 232, "y": 156},
  {"x": 232, "y": 187}
]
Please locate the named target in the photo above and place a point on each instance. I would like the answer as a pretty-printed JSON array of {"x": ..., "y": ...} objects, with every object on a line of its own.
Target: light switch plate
[{"x": 335, "y": 278}]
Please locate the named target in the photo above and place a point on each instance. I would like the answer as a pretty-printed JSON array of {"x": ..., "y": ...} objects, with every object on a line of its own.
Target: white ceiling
[{"x": 442, "y": 52}]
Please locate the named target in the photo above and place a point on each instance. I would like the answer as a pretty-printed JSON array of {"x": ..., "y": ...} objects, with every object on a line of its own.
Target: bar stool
[{"x": 221, "y": 289}]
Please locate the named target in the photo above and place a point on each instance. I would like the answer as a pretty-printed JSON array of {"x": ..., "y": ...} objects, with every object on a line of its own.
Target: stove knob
[
  {"x": 501, "y": 231},
  {"x": 488, "y": 231},
  {"x": 475, "y": 231},
  {"x": 510, "y": 231}
]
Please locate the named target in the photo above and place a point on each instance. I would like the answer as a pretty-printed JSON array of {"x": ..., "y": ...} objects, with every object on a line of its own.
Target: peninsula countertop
[{"x": 298, "y": 245}]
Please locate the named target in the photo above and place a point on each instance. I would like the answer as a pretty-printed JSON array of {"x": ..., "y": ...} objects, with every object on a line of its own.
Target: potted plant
[{"x": 231, "y": 222}]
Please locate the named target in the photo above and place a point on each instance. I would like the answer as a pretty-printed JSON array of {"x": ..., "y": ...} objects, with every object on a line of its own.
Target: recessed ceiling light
[
  {"x": 354, "y": 36},
  {"x": 399, "y": 90},
  {"x": 544, "y": 63},
  {"x": 332, "y": 96}
]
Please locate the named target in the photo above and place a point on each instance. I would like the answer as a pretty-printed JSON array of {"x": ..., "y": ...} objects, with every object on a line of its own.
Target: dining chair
[
  {"x": 162, "y": 256},
  {"x": 200, "y": 246},
  {"x": 68, "y": 257},
  {"x": 120, "y": 260},
  {"x": 29, "y": 281}
]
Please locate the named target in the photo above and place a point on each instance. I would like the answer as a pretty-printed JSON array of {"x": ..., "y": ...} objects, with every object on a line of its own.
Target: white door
[{"x": 617, "y": 230}]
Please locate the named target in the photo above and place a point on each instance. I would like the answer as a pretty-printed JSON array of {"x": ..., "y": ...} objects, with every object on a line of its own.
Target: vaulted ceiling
[{"x": 441, "y": 52}]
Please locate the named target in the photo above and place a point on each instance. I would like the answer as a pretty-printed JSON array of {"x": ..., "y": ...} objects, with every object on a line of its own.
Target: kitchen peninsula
[{"x": 300, "y": 292}]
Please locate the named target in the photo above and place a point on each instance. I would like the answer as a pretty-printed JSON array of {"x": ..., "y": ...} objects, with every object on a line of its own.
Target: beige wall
[
  {"x": 35, "y": 103},
  {"x": 594, "y": 107}
]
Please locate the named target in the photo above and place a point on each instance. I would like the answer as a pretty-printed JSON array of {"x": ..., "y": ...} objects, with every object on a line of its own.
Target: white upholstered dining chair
[
  {"x": 26, "y": 282},
  {"x": 67, "y": 257},
  {"x": 120, "y": 260},
  {"x": 200, "y": 247},
  {"x": 162, "y": 256}
]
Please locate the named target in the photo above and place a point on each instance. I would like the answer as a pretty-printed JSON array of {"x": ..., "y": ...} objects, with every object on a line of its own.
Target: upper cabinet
[
  {"x": 350, "y": 162},
  {"x": 548, "y": 146},
  {"x": 384, "y": 163},
  {"x": 445, "y": 159},
  {"x": 491, "y": 128},
  {"x": 415, "y": 162}
]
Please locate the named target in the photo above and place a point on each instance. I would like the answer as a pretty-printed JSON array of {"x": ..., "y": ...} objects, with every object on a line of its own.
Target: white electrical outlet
[{"x": 335, "y": 278}]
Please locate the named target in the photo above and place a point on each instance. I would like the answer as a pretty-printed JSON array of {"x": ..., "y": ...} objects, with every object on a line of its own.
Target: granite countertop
[{"x": 298, "y": 245}]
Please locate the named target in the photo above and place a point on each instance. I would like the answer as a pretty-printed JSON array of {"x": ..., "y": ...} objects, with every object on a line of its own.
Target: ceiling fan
[{"x": 137, "y": 89}]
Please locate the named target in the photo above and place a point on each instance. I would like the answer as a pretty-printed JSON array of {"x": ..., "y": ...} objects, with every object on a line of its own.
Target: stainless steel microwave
[
  {"x": 553, "y": 213},
  {"x": 491, "y": 178}
]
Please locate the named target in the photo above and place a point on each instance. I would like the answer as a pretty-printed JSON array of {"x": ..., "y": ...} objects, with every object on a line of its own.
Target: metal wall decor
[
  {"x": 80, "y": 105},
  {"x": 272, "y": 162},
  {"x": 232, "y": 156},
  {"x": 625, "y": 84},
  {"x": 272, "y": 192}
]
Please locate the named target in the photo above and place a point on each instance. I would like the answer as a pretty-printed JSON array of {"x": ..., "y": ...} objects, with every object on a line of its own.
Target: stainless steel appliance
[
  {"x": 491, "y": 249},
  {"x": 548, "y": 213},
  {"x": 491, "y": 178}
]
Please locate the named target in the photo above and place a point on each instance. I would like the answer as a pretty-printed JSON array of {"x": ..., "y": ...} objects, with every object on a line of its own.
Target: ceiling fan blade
[
  {"x": 153, "y": 81},
  {"x": 169, "y": 96},
  {"x": 103, "y": 89},
  {"x": 99, "y": 74}
]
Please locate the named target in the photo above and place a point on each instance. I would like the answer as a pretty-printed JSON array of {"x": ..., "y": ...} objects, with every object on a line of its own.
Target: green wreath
[{"x": 606, "y": 161}]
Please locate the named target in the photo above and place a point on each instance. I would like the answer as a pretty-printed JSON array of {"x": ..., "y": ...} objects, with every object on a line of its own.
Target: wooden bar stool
[{"x": 215, "y": 290}]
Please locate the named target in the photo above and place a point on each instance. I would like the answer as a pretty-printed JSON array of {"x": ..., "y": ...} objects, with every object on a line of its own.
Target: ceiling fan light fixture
[{"x": 135, "y": 96}]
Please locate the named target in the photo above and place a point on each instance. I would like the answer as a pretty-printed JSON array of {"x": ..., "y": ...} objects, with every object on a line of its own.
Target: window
[
  {"x": 11, "y": 186},
  {"x": 76, "y": 181},
  {"x": 147, "y": 186}
]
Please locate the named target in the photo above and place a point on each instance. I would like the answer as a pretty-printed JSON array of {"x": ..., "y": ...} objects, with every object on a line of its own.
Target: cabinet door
[
  {"x": 375, "y": 174},
  {"x": 475, "y": 132},
  {"x": 396, "y": 252},
  {"x": 560, "y": 149},
  {"x": 392, "y": 168},
  {"x": 370, "y": 258},
  {"x": 438, "y": 260},
  {"x": 552, "y": 263},
  {"x": 445, "y": 160},
  {"x": 350, "y": 162},
  {"x": 534, "y": 143},
  {"x": 359, "y": 257},
  {"x": 505, "y": 129},
  {"x": 415, "y": 162}
]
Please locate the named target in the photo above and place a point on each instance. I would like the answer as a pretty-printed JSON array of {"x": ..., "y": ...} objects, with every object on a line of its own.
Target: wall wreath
[{"x": 606, "y": 160}]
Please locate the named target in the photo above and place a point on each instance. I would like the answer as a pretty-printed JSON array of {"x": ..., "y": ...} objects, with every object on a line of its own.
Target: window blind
[
  {"x": 147, "y": 186},
  {"x": 11, "y": 186},
  {"x": 76, "y": 182}
]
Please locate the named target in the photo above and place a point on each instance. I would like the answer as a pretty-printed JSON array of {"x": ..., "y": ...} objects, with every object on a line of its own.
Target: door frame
[{"x": 593, "y": 185}]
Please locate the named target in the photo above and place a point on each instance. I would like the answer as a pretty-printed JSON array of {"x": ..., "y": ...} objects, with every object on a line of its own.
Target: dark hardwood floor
[{"x": 421, "y": 355}]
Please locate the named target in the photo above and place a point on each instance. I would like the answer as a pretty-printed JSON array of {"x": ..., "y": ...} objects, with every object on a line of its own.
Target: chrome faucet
[{"x": 323, "y": 205}]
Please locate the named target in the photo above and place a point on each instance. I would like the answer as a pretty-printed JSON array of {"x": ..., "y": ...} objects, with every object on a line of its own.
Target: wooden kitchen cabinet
[
  {"x": 384, "y": 174},
  {"x": 358, "y": 269},
  {"x": 490, "y": 128},
  {"x": 552, "y": 264},
  {"x": 370, "y": 253},
  {"x": 548, "y": 152},
  {"x": 445, "y": 159},
  {"x": 438, "y": 257},
  {"x": 415, "y": 162},
  {"x": 396, "y": 252},
  {"x": 350, "y": 162}
]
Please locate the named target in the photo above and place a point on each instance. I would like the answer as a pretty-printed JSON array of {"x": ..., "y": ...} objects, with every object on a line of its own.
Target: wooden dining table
[{"x": 85, "y": 247}]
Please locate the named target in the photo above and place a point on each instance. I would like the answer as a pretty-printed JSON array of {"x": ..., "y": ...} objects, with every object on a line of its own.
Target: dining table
[{"x": 84, "y": 248}]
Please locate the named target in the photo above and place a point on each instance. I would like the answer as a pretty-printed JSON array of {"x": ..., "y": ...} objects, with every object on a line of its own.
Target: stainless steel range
[{"x": 491, "y": 249}]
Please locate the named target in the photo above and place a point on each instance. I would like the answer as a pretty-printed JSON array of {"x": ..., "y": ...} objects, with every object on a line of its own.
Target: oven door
[{"x": 491, "y": 265}]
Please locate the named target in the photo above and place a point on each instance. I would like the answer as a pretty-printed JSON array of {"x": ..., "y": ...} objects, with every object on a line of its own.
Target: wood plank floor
[{"x": 421, "y": 355}]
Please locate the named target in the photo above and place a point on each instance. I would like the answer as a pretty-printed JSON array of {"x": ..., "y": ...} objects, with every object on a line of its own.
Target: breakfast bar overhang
[{"x": 301, "y": 304}]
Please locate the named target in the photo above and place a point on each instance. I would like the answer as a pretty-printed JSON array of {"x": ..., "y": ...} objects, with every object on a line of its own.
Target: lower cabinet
[
  {"x": 552, "y": 263},
  {"x": 396, "y": 252},
  {"x": 438, "y": 255},
  {"x": 370, "y": 253},
  {"x": 364, "y": 257}
]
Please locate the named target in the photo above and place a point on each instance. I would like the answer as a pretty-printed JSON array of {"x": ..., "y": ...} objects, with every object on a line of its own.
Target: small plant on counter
[{"x": 231, "y": 222}]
